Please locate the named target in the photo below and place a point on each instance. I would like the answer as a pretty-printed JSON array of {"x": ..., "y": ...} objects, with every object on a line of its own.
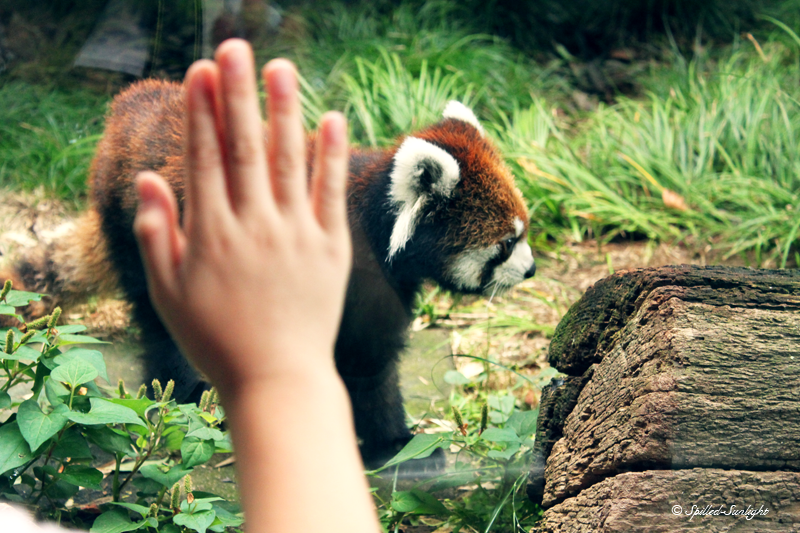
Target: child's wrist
[{"x": 291, "y": 379}]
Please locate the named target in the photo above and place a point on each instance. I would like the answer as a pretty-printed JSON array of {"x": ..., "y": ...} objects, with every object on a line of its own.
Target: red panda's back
[{"x": 143, "y": 132}]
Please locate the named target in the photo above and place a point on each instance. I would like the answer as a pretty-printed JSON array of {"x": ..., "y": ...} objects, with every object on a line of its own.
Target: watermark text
[{"x": 720, "y": 510}]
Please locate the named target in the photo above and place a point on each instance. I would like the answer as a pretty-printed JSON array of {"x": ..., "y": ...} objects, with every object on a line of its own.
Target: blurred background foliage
[{"x": 671, "y": 120}]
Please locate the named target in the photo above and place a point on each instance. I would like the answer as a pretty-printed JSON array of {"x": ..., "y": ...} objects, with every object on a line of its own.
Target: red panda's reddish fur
[{"x": 144, "y": 131}]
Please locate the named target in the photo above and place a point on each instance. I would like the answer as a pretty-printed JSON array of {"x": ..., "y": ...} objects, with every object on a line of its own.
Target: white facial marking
[
  {"x": 513, "y": 270},
  {"x": 518, "y": 227},
  {"x": 457, "y": 110},
  {"x": 467, "y": 268},
  {"x": 410, "y": 162},
  {"x": 404, "y": 226}
]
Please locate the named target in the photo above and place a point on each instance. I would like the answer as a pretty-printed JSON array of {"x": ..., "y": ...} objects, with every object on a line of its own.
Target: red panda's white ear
[
  {"x": 421, "y": 171},
  {"x": 459, "y": 111}
]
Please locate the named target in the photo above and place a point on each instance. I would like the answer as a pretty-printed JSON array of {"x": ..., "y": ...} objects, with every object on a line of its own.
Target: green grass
[
  {"x": 48, "y": 137},
  {"x": 383, "y": 53},
  {"x": 723, "y": 136},
  {"x": 720, "y": 130},
  {"x": 706, "y": 156}
]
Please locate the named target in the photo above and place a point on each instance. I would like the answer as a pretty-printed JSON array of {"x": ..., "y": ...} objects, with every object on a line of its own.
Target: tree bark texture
[{"x": 674, "y": 368}]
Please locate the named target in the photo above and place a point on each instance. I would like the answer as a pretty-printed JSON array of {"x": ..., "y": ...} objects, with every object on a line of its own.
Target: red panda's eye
[{"x": 508, "y": 244}]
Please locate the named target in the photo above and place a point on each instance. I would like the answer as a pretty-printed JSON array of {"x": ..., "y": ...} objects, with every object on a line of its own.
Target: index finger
[{"x": 205, "y": 187}]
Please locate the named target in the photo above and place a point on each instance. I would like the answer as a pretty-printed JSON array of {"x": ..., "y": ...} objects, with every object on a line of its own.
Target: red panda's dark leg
[
  {"x": 379, "y": 415},
  {"x": 162, "y": 358},
  {"x": 371, "y": 336},
  {"x": 380, "y": 423}
]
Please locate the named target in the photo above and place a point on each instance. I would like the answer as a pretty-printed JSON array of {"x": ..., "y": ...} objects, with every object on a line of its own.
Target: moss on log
[{"x": 592, "y": 322}]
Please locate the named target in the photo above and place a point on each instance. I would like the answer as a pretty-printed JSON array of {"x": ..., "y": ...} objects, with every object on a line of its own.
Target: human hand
[{"x": 252, "y": 285}]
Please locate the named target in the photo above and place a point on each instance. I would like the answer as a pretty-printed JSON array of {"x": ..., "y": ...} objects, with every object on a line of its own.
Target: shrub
[{"x": 49, "y": 445}]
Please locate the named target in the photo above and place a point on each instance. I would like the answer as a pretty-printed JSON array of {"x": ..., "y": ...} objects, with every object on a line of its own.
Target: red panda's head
[{"x": 453, "y": 194}]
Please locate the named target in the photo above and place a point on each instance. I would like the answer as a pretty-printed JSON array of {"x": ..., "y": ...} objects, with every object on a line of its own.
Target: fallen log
[{"x": 672, "y": 370}]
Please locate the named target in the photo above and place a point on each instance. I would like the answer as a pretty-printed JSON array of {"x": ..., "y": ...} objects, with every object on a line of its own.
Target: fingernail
[
  {"x": 282, "y": 82},
  {"x": 234, "y": 65},
  {"x": 234, "y": 61},
  {"x": 335, "y": 129}
]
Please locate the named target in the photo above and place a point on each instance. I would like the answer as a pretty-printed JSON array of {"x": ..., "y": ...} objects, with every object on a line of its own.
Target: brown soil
[{"x": 512, "y": 329}]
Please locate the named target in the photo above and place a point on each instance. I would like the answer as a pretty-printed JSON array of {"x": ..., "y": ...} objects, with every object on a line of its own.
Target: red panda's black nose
[{"x": 531, "y": 271}]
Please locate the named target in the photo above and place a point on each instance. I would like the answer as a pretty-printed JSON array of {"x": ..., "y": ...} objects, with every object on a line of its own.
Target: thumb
[{"x": 161, "y": 240}]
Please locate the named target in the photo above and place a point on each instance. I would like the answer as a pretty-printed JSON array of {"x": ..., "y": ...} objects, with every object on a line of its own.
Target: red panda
[{"x": 440, "y": 205}]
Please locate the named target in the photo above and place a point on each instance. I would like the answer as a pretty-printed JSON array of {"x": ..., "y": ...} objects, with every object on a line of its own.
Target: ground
[{"x": 511, "y": 330}]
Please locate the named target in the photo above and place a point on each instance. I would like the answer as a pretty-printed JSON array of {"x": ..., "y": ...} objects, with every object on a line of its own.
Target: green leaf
[
  {"x": 418, "y": 502},
  {"x": 198, "y": 521},
  {"x": 430, "y": 505},
  {"x": 199, "y": 430},
  {"x": 173, "y": 439},
  {"x": 139, "y": 430},
  {"x": 110, "y": 440},
  {"x": 38, "y": 427},
  {"x": 23, "y": 353},
  {"x": 511, "y": 449},
  {"x": 105, "y": 412},
  {"x": 7, "y": 310},
  {"x": 21, "y": 298},
  {"x": 75, "y": 372},
  {"x": 140, "y": 406},
  {"x": 14, "y": 449},
  {"x": 56, "y": 392},
  {"x": 523, "y": 423},
  {"x": 93, "y": 357},
  {"x": 503, "y": 404},
  {"x": 64, "y": 340},
  {"x": 224, "y": 445},
  {"x": 420, "y": 447},
  {"x": 453, "y": 479},
  {"x": 146, "y": 486},
  {"x": 208, "y": 417},
  {"x": 41, "y": 373},
  {"x": 225, "y": 518},
  {"x": 197, "y": 505},
  {"x": 141, "y": 509},
  {"x": 5, "y": 400},
  {"x": 49, "y": 360},
  {"x": 500, "y": 435},
  {"x": 169, "y": 478},
  {"x": 195, "y": 451},
  {"x": 169, "y": 528},
  {"x": 82, "y": 476},
  {"x": 454, "y": 377},
  {"x": 61, "y": 490},
  {"x": 405, "y": 501},
  {"x": 71, "y": 328},
  {"x": 114, "y": 521},
  {"x": 73, "y": 445}
]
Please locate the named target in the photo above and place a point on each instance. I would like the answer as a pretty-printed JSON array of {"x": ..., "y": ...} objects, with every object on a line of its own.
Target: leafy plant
[
  {"x": 492, "y": 441},
  {"x": 49, "y": 444},
  {"x": 708, "y": 159}
]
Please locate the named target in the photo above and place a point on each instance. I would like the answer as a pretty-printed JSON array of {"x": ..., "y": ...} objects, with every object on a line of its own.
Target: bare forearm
[{"x": 293, "y": 438}]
